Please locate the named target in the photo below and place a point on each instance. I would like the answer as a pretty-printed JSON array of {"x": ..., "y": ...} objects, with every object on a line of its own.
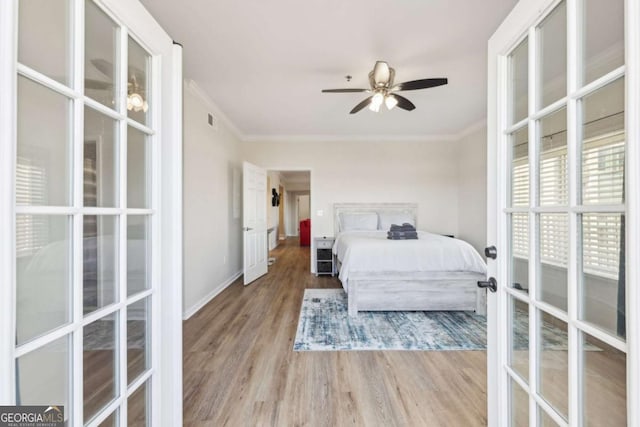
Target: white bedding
[{"x": 371, "y": 251}]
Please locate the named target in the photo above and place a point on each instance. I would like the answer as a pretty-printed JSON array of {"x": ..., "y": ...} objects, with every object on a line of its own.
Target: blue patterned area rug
[{"x": 325, "y": 325}]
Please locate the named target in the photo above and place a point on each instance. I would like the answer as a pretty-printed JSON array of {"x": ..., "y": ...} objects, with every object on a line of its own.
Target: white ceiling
[
  {"x": 300, "y": 180},
  {"x": 265, "y": 62}
]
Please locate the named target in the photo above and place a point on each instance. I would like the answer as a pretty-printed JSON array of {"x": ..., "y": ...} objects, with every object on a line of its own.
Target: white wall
[
  {"x": 369, "y": 171},
  {"x": 304, "y": 206},
  {"x": 212, "y": 236},
  {"x": 472, "y": 188},
  {"x": 290, "y": 214},
  {"x": 273, "y": 212}
]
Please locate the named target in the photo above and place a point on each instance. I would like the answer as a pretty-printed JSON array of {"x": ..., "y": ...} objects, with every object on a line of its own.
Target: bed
[{"x": 434, "y": 272}]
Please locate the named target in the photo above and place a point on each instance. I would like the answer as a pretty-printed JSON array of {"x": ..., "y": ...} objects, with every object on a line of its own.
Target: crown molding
[
  {"x": 196, "y": 90},
  {"x": 471, "y": 129},
  {"x": 347, "y": 138}
]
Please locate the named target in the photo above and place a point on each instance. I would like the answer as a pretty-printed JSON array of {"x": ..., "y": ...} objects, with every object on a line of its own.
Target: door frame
[
  {"x": 279, "y": 168},
  {"x": 166, "y": 329},
  {"x": 526, "y": 14}
]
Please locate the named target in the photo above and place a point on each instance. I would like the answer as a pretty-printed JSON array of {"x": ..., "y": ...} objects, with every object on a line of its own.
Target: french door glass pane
[
  {"x": 138, "y": 169},
  {"x": 44, "y": 38},
  {"x": 100, "y": 255},
  {"x": 111, "y": 420},
  {"x": 553, "y": 56},
  {"x": 519, "y": 69},
  {"x": 43, "y": 167},
  {"x": 553, "y": 371},
  {"x": 519, "y": 405},
  {"x": 137, "y": 405},
  {"x": 100, "y": 364},
  {"x": 520, "y": 168},
  {"x": 138, "y": 318},
  {"x": 603, "y": 145},
  {"x": 42, "y": 376},
  {"x": 43, "y": 274},
  {"x": 605, "y": 384},
  {"x": 138, "y": 102},
  {"x": 100, "y": 160},
  {"x": 519, "y": 268},
  {"x": 552, "y": 160},
  {"x": 101, "y": 63},
  {"x": 603, "y": 37},
  {"x": 602, "y": 299},
  {"x": 519, "y": 321},
  {"x": 138, "y": 253},
  {"x": 553, "y": 246},
  {"x": 545, "y": 419}
]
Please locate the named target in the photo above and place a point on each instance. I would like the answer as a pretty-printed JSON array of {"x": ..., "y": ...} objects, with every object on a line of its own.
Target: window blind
[
  {"x": 603, "y": 170},
  {"x": 31, "y": 230},
  {"x": 601, "y": 244},
  {"x": 520, "y": 197},
  {"x": 602, "y": 183}
]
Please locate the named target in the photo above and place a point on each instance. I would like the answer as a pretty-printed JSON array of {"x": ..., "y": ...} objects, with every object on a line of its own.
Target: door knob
[
  {"x": 491, "y": 252},
  {"x": 248, "y": 229},
  {"x": 492, "y": 284}
]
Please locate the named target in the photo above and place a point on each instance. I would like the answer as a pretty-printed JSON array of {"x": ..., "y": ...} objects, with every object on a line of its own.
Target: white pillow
[
  {"x": 399, "y": 218},
  {"x": 359, "y": 221}
]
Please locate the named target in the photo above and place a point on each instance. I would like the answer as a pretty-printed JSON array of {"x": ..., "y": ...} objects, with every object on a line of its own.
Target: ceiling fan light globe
[
  {"x": 374, "y": 107},
  {"x": 377, "y": 99},
  {"x": 145, "y": 106},
  {"x": 129, "y": 104},
  {"x": 136, "y": 101},
  {"x": 390, "y": 101}
]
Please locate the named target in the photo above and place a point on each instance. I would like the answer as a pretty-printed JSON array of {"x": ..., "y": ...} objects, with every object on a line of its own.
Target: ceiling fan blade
[
  {"x": 104, "y": 66},
  {"x": 343, "y": 90},
  {"x": 97, "y": 84},
  {"x": 404, "y": 103},
  {"x": 421, "y": 84},
  {"x": 361, "y": 105}
]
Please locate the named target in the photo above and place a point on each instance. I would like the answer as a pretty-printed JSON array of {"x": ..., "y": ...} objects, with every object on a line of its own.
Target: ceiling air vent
[{"x": 213, "y": 121}]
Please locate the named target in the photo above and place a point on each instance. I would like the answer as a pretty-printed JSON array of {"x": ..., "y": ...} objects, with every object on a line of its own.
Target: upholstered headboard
[{"x": 338, "y": 208}]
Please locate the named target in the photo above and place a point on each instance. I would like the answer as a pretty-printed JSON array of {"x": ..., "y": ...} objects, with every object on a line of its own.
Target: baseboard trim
[{"x": 211, "y": 295}]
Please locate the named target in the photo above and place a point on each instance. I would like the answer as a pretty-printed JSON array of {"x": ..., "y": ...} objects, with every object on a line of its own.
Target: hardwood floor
[{"x": 240, "y": 369}]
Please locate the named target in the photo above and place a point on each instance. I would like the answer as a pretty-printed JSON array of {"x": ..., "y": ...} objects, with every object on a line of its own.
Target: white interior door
[
  {"x": 563, "y": 185},
  {"x": 89, "y": 264},
  {"x": 254, "y": 222}
]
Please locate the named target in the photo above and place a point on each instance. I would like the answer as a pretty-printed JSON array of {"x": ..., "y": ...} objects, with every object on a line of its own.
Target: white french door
[
  {"x": 564, "y": 190},
  {"x": 90, "y": 195}
]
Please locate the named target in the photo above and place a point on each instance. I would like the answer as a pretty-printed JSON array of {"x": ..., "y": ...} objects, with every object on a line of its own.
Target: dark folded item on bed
[
  {"x": 402, "y": 235},
  {"x": 404, "y": 227}
]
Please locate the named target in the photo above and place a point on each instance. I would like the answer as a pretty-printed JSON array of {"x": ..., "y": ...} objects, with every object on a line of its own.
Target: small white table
[{"x": 324, "y": 256}]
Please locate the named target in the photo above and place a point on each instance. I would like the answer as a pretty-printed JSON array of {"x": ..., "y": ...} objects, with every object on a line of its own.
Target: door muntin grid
[
  {"x": 565, "y": 163},
  {"x": 77, "y": 200}
]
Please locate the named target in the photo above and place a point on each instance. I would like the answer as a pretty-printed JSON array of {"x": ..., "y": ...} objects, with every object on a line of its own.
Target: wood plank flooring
[{"x": 240, "y": 369}]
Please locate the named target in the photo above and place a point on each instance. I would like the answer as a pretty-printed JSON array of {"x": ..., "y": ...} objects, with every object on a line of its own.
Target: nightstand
[{"x": 324, "y": 255}]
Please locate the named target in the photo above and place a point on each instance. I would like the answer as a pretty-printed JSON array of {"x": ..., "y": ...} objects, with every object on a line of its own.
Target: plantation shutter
[
  {"x": 31, "y": 230},
  {"x": 520, "y": 223},
  {"x": 602, "y": 176}
]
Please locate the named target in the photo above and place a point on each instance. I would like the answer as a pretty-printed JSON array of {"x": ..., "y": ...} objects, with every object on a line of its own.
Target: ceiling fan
[
  {"x": 135, "y": 86},
  {"x": 383, "y": 89}
]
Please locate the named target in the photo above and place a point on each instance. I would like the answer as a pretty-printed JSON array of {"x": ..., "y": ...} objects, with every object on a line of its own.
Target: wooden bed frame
[{"x": 446, "y": 291}]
